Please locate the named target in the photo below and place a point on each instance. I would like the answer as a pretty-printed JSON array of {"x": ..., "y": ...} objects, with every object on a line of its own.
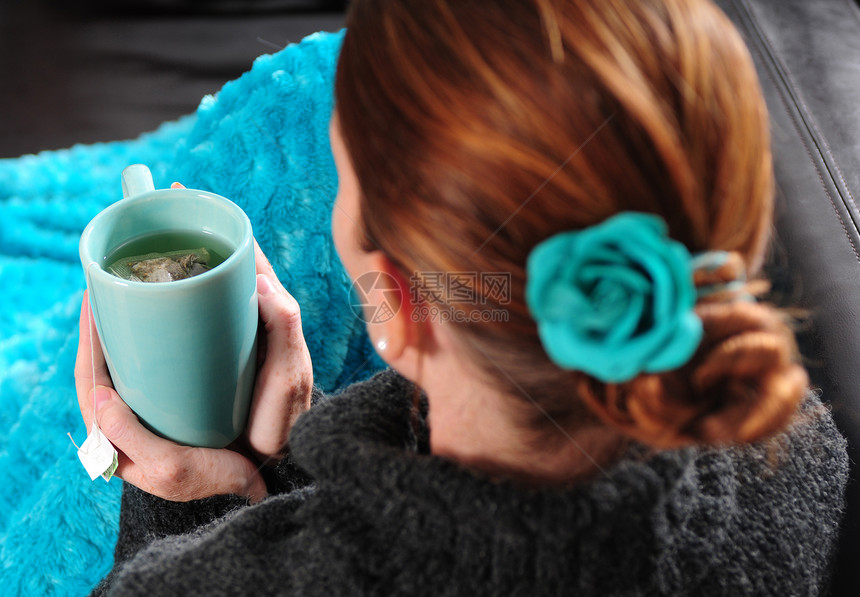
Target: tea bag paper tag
[{"x": 98, "y": 455}]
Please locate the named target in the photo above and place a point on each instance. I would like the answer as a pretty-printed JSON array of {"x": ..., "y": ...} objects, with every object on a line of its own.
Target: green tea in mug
[{"x": 167, "y": 256}]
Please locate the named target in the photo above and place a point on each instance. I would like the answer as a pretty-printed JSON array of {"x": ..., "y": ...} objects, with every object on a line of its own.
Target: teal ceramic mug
[{"x": 181, "y": 354}]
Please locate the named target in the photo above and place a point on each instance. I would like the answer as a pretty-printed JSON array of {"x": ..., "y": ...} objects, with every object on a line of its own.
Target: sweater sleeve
[
  {"x": 287, "y": 476},
  {"x": 145, "y": 518}
]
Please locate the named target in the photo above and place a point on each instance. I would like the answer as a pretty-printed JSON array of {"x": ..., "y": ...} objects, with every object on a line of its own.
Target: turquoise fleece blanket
[{"x": 261, "y": 141}]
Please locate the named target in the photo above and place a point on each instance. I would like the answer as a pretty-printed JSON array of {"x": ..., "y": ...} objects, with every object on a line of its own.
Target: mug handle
[{"x": 136, "y": 179}]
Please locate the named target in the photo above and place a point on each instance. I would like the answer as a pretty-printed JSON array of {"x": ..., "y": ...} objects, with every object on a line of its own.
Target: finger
[
  {"x": 263, "y": 266},
  {"x": 169, "y": 470},
  {"x": 177, "y": 185},
  {"x": 89, "y": 361},
  {"x": 262, "y": 262},
  {"x": 285, "y": 381}
]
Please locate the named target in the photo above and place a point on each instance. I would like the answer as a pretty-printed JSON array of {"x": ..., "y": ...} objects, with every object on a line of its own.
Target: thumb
[
  {"x": 100, "y": 396},
  {"x": 279, "y": 312},
  {"x": 120, "y": 425},
  {"x": 285, "y": 379}
]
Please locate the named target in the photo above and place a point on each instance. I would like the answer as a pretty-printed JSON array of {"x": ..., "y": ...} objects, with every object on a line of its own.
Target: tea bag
[
  {"x": 97, "y": 454},
  {"x": 162, "y": 267}
]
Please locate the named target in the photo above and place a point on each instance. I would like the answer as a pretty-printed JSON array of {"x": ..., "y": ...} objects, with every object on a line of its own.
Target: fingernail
[
  {"x": 101, "y": 395},
  {"x": 264, "y": 285}
]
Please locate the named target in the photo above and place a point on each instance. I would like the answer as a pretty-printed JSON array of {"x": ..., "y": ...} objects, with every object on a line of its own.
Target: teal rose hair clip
[{"x": 616, "y": 299}]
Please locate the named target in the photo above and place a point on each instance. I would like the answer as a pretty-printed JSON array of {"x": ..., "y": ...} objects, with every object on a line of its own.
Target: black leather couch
[
  {"x": 80, "y": 72},
  {"x": 808, "y": 56}
]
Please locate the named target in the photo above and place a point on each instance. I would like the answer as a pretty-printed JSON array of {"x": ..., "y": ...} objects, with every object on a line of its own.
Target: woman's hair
[{"x": 478, "y": 129}]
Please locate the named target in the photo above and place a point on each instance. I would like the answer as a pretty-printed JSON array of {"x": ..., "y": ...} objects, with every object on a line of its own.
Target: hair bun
[
  {"x": 746, "y": 376},
  {"x": 743, "y": 384}
]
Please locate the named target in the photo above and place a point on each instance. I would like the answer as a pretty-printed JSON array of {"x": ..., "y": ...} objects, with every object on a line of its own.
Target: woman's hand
[{"x": 180, "y": 473}]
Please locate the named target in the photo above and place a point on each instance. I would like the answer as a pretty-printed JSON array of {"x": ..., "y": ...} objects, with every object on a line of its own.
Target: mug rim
[{"x": 87, "y": 259}]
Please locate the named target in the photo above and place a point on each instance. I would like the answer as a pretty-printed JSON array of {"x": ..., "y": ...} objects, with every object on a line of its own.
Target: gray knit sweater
[{"x": 374, "y": 514}]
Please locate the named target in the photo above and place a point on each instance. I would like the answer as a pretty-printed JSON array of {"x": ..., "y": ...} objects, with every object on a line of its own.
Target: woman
[{"x": 570, "y": 200}]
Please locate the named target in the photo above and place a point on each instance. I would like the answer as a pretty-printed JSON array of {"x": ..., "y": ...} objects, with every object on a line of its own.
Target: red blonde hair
[{"x": 478, "y": 129}]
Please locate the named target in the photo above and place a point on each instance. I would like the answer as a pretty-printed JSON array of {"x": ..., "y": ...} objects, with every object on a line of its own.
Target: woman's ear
[{"x": 398, "y": 337}]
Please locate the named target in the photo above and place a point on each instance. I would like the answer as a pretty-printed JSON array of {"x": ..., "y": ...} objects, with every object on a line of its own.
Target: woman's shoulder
[
  {"x": 808, "y": 460},
  {"x": 766, "y": 514}
]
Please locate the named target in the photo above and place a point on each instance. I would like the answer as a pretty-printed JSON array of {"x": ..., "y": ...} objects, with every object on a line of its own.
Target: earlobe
[{"x": 398, "y": 339}]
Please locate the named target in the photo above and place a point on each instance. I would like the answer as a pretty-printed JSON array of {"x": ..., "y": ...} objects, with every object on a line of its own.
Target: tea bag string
[
  {"x": 97, "y": 454},
  {"x": 92, "y": 331},
  {"x": 90, "y": 327},
  {"x": 89, "y": 311}
]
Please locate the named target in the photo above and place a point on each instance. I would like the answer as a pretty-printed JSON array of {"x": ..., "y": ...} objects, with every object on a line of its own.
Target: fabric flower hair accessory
[{"x": 616, "y": 299}]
